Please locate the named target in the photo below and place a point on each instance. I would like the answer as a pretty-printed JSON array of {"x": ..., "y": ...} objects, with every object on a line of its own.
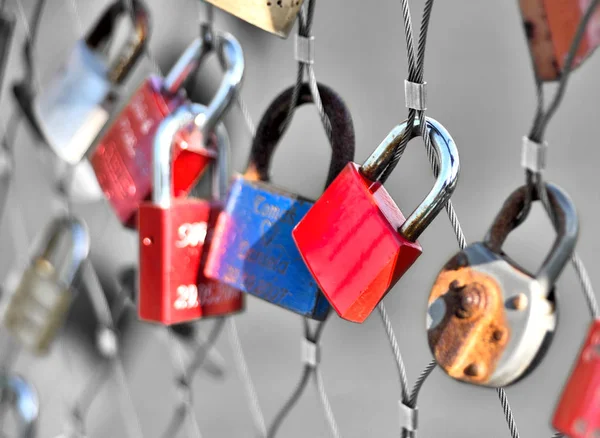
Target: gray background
[{"x": 480, "y": 88}]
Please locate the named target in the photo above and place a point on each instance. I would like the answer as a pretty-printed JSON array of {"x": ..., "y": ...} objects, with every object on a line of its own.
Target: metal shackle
[
  {"x": 162, "y": 154},
  {"x": 64, "y": 246},
  {"x": 24, "y": 399},
  {"x": 103, "y": 30},
  {"x": 566, "y": 224},
  {"x": 231, "y": 56},
  {"x": 446, "y": 178}
]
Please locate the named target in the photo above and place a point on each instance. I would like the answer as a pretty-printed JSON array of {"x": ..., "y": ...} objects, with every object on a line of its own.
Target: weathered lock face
[
  {"x": 577, "y": 413},
  {"x": 70, "y": 110},
  {"x": 38, "y": 307},
  {"x": 253, "y": 249},
  {"x": 550, "y": 26},
  {"x": 356, "y": 242},
  {"x": 487, "y": 319},
  {"x": 274, "y": 16},
  {"x": 123, "y": 159}
]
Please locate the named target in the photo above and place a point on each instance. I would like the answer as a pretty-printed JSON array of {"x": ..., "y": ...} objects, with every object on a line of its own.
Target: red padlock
[
  {"x": 122, "y": 160},
  {"x": 354, "y": 239},
  {"x": 578, "y": 411},
  {"x": 173, "y": 235}
]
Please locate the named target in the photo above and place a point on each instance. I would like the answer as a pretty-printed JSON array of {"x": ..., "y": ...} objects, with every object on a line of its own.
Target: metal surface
[
  {"x": 550, "y": 26},
  {"x": 162, "y": 177},
  {"x": 489, "y": 321},
  {"x": 74, "y": 105},
  {"x": 22, "y": 397},
  {"x": 254, "y": 252},
  {"x": 7, "y": 28},
  {"x": 276, "y": 17},
  {"x": 446, "y": 179},
  {"x": 577, "y": 412},
  {"x": 533, "y": 155},
  {"x": 415, "y": 95},
  {"x": 36, "y": 305}
]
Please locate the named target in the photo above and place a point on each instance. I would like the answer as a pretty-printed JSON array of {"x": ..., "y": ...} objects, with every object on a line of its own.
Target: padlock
[
  {"x": 577, "y": 412},
  {"x": 173, "y": 233},
  {"x": 490, "y": 321},
  {"x": 356, "y": 242},
  {"x": 23, "y": 398},
  {"x": 122, "y": 161},
  {"x": 550, "y": 26},
  {"x": 74, "y": 106},
  {"x": 38, "y": 304},
  {"x": 252, "y": 245},
  {"x": 274, "y": 16}
]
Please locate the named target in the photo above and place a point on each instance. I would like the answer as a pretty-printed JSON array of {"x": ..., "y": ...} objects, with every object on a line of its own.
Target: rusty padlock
[
  {"x": 23, "y": 399},
  {"x": 122, "y": 161},
  {"x": 550, "y": 26},
  {"x": 577, "y": 412},
  {"x": 74, "y": 106},
  {"x": 356, "y": 242},
  {"x": 173, "y": 233},
  {"x": 490, "y": 321},
  {"x": 37, "y": 305},
  {"x": 252, "y": 247},
  {"x": 274, "y": 16}
]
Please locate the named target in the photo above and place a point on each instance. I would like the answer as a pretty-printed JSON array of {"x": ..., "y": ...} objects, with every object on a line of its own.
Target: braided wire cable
[
  {"x": 255, "y": 409},
  {"x": 389, "y": 330},
  {"x": 307, "y": 371},
  {"x": 333, "y": 426},
  {"x": 414, "y": 394}
]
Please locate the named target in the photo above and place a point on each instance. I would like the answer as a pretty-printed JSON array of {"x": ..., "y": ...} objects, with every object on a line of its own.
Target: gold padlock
[{"x": 275, "y": 16}]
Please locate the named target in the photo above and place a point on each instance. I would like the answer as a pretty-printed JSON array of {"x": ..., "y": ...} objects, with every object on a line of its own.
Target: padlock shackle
[
  {"x": 162, "y": 154},
  {"x": 25, "y": 401},
  {"x": 231, "y": 58},
  {"x": 268, "y": 133},
  {"x": 64, "y": 245},
  {"x": 446, "y": 172},
  {"x": 565, "y": 221},
  {"x": 102, "y": 31}
]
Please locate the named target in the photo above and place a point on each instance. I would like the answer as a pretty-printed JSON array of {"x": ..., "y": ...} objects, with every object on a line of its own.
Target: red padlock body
[
  {"x": 550, "y": 26},
  {"x": 578, "y": 411},
  {"x": 216, "y": 298},
  {"x": 122, "y": 160},
  {"x": 171, "y": 244},
  {"x": 350, "y": 243}
]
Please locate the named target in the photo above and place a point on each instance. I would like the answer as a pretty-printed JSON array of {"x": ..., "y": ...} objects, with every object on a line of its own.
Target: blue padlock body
[{"x": 253, "y": 249}]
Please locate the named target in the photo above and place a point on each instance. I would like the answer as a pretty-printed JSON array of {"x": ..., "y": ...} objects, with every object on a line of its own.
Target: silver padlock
[
  {"x": 37, "y": 306},
  {"x": 75, "y": 105},
  {"x": 490, "y": 322},
  {"x": 22, "y": 397}
]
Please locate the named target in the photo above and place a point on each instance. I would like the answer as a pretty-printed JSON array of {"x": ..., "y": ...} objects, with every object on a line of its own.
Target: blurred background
[{"x": 481, "y": 89}]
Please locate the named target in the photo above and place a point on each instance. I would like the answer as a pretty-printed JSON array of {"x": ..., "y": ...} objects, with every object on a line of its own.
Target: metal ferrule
[
  {"x": 448, "y": 165},
  {"x": 24, "y": 401},
  {"x": 66, "y": 245}
]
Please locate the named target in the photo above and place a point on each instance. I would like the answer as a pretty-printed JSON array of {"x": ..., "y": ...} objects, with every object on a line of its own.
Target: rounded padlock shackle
[
  {"x": 25, "y": 402},
  {"x": 231, "y": 57},
  {"x": 268, "y": 133},
  {"x": 566, "y": 224},
  {"x": 65, "y": 244},
  {"x": 446, "y": 178},
  {"x": 104, "y": 27},
  {"x": 162, "y": 154}
]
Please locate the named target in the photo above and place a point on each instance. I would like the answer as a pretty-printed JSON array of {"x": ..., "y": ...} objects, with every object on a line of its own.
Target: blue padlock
[{"x": 252, "y": 247}]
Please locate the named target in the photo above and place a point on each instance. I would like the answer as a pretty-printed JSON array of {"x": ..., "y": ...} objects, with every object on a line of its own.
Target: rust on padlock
[
  {"x": 473, "y": 333},
  {"x": 550, "y": 26}
]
